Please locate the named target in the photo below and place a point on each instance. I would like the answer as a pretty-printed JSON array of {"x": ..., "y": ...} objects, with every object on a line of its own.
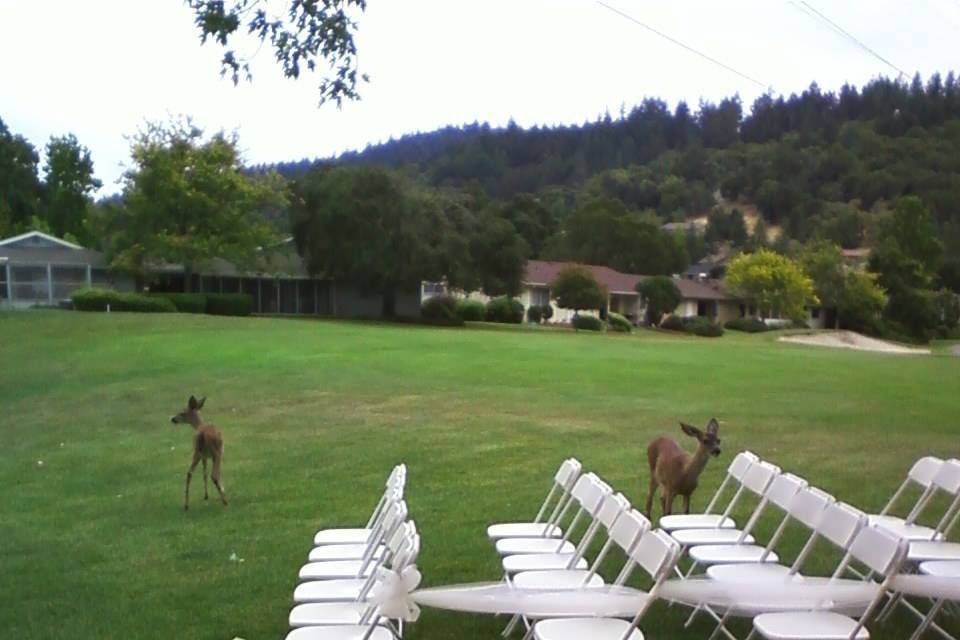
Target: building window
[
  {"x": 4, "y": 293},
  {"x": 29, "y": 283},
  {"x": 815, "y": 313},
  {"x": 66, "y": 280},
  {"x": 540, "y": 296},
  {"x": 434, "y": 288}
]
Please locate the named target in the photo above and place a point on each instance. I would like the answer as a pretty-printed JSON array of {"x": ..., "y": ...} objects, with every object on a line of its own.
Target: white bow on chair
[{"x": 392, "y": 594}]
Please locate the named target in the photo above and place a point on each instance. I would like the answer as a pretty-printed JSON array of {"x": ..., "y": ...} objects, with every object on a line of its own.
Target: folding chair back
[
  {"x": 656, "y": 553},
  {"x": 628, "y": 528},
  {"x": 783, "y": 489},
  {"x": 880, "y": 550},
  {"x": 737, "y": 470},
  {"x": 841, "y": 524},
  {"x": 921, "y": 473},
  {"x": 809, "y": 505},
  {"x": 568, "y": 473},
  {"x": 563, "y": 481},
  {"x": 611, "y": 509},
  {"x": 759, "y": 476}
]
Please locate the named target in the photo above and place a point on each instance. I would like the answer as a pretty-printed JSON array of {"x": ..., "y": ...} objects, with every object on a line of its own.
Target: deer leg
[
  {"x": 686, "y": 504},
  {"x": 186, "y": 493},
  {"x": 216, "y": 476},
  {"x": 206, "y": 495},
  {"x": 667, "y": 502},
  {"x": 651, "y": 492}
]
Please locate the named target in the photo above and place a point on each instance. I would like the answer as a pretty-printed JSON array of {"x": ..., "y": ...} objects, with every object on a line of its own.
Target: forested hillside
[{"x": 816, "y": 164}]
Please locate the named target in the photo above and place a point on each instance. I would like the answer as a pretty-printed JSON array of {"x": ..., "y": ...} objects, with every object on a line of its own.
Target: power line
[
  {"x": 853, "y": 38},
  {"x": 681, "y": 44}
]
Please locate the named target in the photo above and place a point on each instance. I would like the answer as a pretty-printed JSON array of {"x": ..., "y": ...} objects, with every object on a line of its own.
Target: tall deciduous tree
[
  {"x": 304, "y": 35},
  {"x": 364, "y": 225},
  {"x": 498, "y": 255},
  {"x": 70, "y": 185},
  {"x": 188, "y": 199},
  {"x": 576, "y": 288},
  {"x": 19, "y": 186},
  {"x": 775, "y": 283}
]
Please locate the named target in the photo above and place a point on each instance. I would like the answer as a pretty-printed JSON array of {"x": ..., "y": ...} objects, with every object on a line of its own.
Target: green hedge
[
  {"x": 229, "y": 304},
  {"x": 185, "y": 302},
  {"x": 749, "y": 325},
  {"x": 534, "y": 314},
  {"x": 587, "y": 323},
  {"x": 93, "y": 299},
  {"x": 702, "y": 327},
  {"x": 471, "y": 310},
  {"x": 442, "y": 308},
  {"x": 505, "y": 309},
  {"x": 618, "y": 322},
  {"x": 672, "y": 323}
]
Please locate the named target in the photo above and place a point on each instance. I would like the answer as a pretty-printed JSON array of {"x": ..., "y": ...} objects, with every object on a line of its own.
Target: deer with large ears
[
  {"x": 675, "y": 470},
  {"x": 207, "y": 444}
]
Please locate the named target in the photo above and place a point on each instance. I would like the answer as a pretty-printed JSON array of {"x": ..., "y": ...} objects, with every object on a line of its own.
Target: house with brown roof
[{"x": 699, "y": 298}]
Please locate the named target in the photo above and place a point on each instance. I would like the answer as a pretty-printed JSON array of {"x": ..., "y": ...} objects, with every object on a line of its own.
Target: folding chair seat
[
  {"x": 363, "y": 568},
  {"x": 737, "y": 470},
  {"x": 544, "y": 525},
  {"x": 395, "y": 486},
  {"x": 880, "y": 551},
  {"x": 656, "y": 553}
]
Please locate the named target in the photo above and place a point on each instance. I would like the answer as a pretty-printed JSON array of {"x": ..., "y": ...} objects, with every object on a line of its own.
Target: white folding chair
[
  {"x": 882, "y": 552},
  {"x": 380, "y": 531},
  {"x": 544, "y": 525},
  {"x": 758, "y": 481},
  {"x": 656, "y": 553},
  {"x": 736, "y": 472},
  {"x": 353, "y": 613},
  {"x": 939, "y": 569},
  {"x": 923, "y": 473},
  {"x": 356, "y": 589},
  {"x": 395, "y": 486},
  {"x": 537, "y": 554},
  {"x": 396, "y": 514},
  {"x": 837, "y": 522},
  {"x": 587, "y": 497}
]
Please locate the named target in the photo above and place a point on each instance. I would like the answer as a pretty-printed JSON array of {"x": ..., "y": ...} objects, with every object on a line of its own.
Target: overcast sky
[{"x": 100, "y": 68}]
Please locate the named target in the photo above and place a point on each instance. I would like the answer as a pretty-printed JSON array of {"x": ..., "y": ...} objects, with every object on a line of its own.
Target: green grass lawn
[{"x": 94, "y": 542}]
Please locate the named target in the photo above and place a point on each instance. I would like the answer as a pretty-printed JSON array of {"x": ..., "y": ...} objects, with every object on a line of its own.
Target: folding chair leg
[
  {"x": 929, "y": 624},
  {"x": 693, "y": 615},
  {"x": 928, "y": 620},
  {"x": 514, "y": 620},
  {"x": 722, "y": 628},
  {"x": 889, "y": 607}
]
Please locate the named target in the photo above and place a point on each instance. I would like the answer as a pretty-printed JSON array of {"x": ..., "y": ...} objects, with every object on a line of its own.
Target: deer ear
[
  {"x": 690, "y": 430},
  {"x": 192, "y": 403},
  {"x": 713, "y": 426},
  {"x": 202, "y": 400}
]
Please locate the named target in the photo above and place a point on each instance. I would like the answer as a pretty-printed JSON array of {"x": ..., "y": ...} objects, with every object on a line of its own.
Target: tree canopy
[
  {"x": 661, "y": 295},
  {"x": 775, "y": 283},
  {"x": 304, "y": 35},
  {"x": 576, "y": 288},
  {"x": 187, "y": 200}
]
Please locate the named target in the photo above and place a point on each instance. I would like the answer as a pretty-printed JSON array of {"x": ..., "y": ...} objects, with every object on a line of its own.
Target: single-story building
[
  {"x": 700, "y": 298},
  {"x": 37, "y": 269}
]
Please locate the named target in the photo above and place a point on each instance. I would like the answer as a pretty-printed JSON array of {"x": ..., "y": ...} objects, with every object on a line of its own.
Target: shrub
[
  {"x": 185, "y": 302},
  {"x": 618, "y": 322},
  {"x": 701, "y": 326},
  {"x": 587, "y": 323},
  {"x": 93, "y": 299},
  {"x": 471, "y": 310},
  {"x": 505, "y": 309},
  {"x": 229, "y": 304},
  {"x": 546, "y": 312},
  {"x": 534, "y": 314},
  {"x": 672, "y": 323},
  {"x": 661, "y": 295},
  {"x": 750, "y": 325},
  {"x": 442, "y": 307}
]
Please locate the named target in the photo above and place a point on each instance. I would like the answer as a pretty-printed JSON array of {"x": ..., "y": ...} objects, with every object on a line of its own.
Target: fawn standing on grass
[
  {"x": 675, "y": 470},
  {"x": 207, "y": 443}
]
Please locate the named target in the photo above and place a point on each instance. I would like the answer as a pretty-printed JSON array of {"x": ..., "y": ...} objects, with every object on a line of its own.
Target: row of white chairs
[
  {"x": 334, "y": 599},
  {"x": 541, "y": 554}
]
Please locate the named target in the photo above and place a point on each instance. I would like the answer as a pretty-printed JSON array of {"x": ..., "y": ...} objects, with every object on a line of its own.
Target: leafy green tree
[
  {"x": 661, "y": 295},
  {"x": 531, "y": 219},
  {"x": 188, "y": 199},
  {"x": 69, "y": 187},
  {"x": 499, "y": 256},
  {"x": 775, "y": 283},
  {"x": 841, "y": 224},
  {"x": 304, "y": 35},
  {"x": 576, "y": 288},
  {"x": 20, "y": 189},
  {"x": 856, "y": 296},
  {"x": 726, "y": 225},
  {"x": 366, "y": 226}
]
